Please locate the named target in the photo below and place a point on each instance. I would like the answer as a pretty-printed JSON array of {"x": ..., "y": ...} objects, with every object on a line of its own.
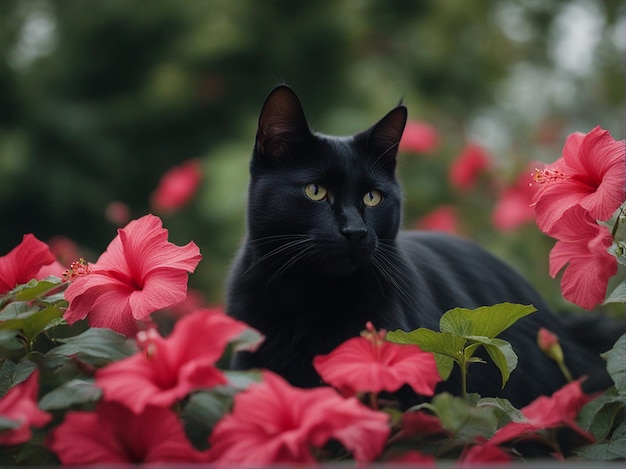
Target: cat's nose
[{"x": 354, "y": 233}]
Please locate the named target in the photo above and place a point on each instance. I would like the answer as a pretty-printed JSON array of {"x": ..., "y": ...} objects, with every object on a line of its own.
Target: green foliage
[
  {"x": 604, "y": 416},
  {"x": 95, "y": 346},
  {"x": 12, "y": 374},
  {"x": 463, "y": 331},
  {"x": 71, "y": 393}
]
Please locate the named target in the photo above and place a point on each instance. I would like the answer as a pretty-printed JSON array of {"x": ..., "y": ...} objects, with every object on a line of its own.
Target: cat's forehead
[{"x": 342, "y": 159}]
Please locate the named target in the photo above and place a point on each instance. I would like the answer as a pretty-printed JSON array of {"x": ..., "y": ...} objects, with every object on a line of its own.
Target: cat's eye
[
  {"x": 315, "y": 192},
  {"x": 372, "y": 198}
]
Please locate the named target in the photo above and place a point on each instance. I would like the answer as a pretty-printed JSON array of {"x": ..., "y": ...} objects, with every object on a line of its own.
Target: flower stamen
[
  {"x": 77, "y": 269},
  {"x": 544, "y": 176}
]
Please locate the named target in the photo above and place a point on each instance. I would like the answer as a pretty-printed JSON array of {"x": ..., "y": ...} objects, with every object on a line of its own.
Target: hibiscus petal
[{"x": 164, "y": 287}]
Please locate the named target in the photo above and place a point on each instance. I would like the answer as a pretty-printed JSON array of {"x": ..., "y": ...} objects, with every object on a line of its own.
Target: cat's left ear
[
  {"x": 281, "y": 124},
  {"x": 384, "y": 137}
]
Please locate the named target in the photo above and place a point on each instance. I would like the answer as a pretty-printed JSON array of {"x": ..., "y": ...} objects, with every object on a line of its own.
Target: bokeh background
[{"x": 100, "y": 99}]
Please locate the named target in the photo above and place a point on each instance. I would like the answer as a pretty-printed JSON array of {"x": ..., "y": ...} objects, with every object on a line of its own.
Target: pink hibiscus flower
[
  {"x": 177, "y": 187},
  {"x": 514, "y": 205},
  {"x": 168, "y": 369},
  {"x": 590, "y": 174},
  {"x": 419, "y": 137},
  {"x": 139, "y": 273},
  {"x": 582, "y": 243},
  {"x": 31, "y": 259},
  {"x": 273, "y": 422},
  {"x": 115, "y": 435},
  {"x": 443, "y": 218},
  {"x": 470, "y": 163},
  {"x": 372, "y": 364},
  {"x": 19, "y": 405},
  {"x": 545, "y": 412}
]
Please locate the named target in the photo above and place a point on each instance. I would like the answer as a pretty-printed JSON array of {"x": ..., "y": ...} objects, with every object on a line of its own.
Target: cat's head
[{"x": 319, "y": 201}]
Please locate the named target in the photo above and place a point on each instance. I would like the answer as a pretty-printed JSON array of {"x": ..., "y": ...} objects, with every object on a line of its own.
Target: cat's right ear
[{"x": 282, "y": 122}]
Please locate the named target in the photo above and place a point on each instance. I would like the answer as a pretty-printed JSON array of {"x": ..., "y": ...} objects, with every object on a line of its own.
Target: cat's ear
[
  {"x": 282, "y": 122},
  {"x": 384, "y": 137}
]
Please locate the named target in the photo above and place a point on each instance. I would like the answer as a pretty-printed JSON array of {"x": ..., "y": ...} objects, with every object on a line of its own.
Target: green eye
[
  {"x": 315, "y": 192},
  {"x": 372, "y": 198}
]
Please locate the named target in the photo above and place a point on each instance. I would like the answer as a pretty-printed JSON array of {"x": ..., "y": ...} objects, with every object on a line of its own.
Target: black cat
[{"x": 324, "y": 255}]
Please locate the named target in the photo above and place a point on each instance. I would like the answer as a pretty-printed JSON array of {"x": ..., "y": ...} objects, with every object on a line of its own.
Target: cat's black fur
[{"x": 312, "y": 273}]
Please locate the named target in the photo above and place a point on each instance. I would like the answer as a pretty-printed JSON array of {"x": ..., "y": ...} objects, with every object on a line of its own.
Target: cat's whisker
[
  {"x": 297, "y": 257},
  {"x": 278, "y": 250}
]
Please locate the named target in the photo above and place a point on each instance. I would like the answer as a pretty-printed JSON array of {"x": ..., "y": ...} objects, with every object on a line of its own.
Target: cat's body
[{"x": 324, "y": 255}]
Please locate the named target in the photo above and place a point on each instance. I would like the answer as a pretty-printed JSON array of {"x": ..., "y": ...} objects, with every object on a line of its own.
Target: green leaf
[
  {"x": 486, "y": 321},
  {"x": 465, "y": 421},
  {"x": 12, "y": 374},
  {"x": 615, "y": 359},
  {"x": 444, "y": 364},
  {"x": 444, "y": 343},
  {"x": 32, "y": 322},
  {"x": 504, "y": 411},
  {"x": 35, "y": 289},
  {"x": 96, "y": 346},
  {"x": 598, "y": 416},
  {"x": 608, "y": 450},
  {"x": 501, "y": 353},
  {"x": 73, "y": 392},
  {"x": 618, "y": 295},
  {"x": 17, "y": 310}
]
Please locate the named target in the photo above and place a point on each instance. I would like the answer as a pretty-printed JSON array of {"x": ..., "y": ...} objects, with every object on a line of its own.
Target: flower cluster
[
  {"x": 90, "y": 375},
  {"x": 577, "y": 196}
]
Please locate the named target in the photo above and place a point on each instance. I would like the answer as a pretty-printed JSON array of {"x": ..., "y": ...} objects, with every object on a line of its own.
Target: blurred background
[{"x": 113, "y": 109}]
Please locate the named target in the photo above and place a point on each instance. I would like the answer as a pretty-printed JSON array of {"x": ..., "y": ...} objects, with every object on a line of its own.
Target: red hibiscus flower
[
  {"x": 582, "y": 243},
  {"x": 115, "y": 435},
  {"x": 177, "y": 187},
  {"x": 31, "y": 259},
  {"x": 418, "y": 137},
  {"x": 139, "y": 273},
  {"x": 168, "y": 369},
  {"x": 514, "y": 205},
  {"x": 443, "y": 218},
  {"x": 545, "y": 412},
  {"x": 590, "y": 174},
  {"x": 465, "y": 170},
  {"x": 372, "y": 364},
  {"x": 273, "y": 422},
  {"x": 19, "y": 405}
]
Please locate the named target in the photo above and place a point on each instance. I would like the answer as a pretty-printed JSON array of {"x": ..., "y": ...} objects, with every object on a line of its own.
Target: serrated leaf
[
  {"x": 615, "y": 359},
  {"x": 73, "y": 392},
  {"x": 486, "y": 321},
  {"x": 96, "y": 346},
  {"x": 465, "y": 421},
  {"x": 12, "y": 374},
  {"x": 501, "y": 353}
]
